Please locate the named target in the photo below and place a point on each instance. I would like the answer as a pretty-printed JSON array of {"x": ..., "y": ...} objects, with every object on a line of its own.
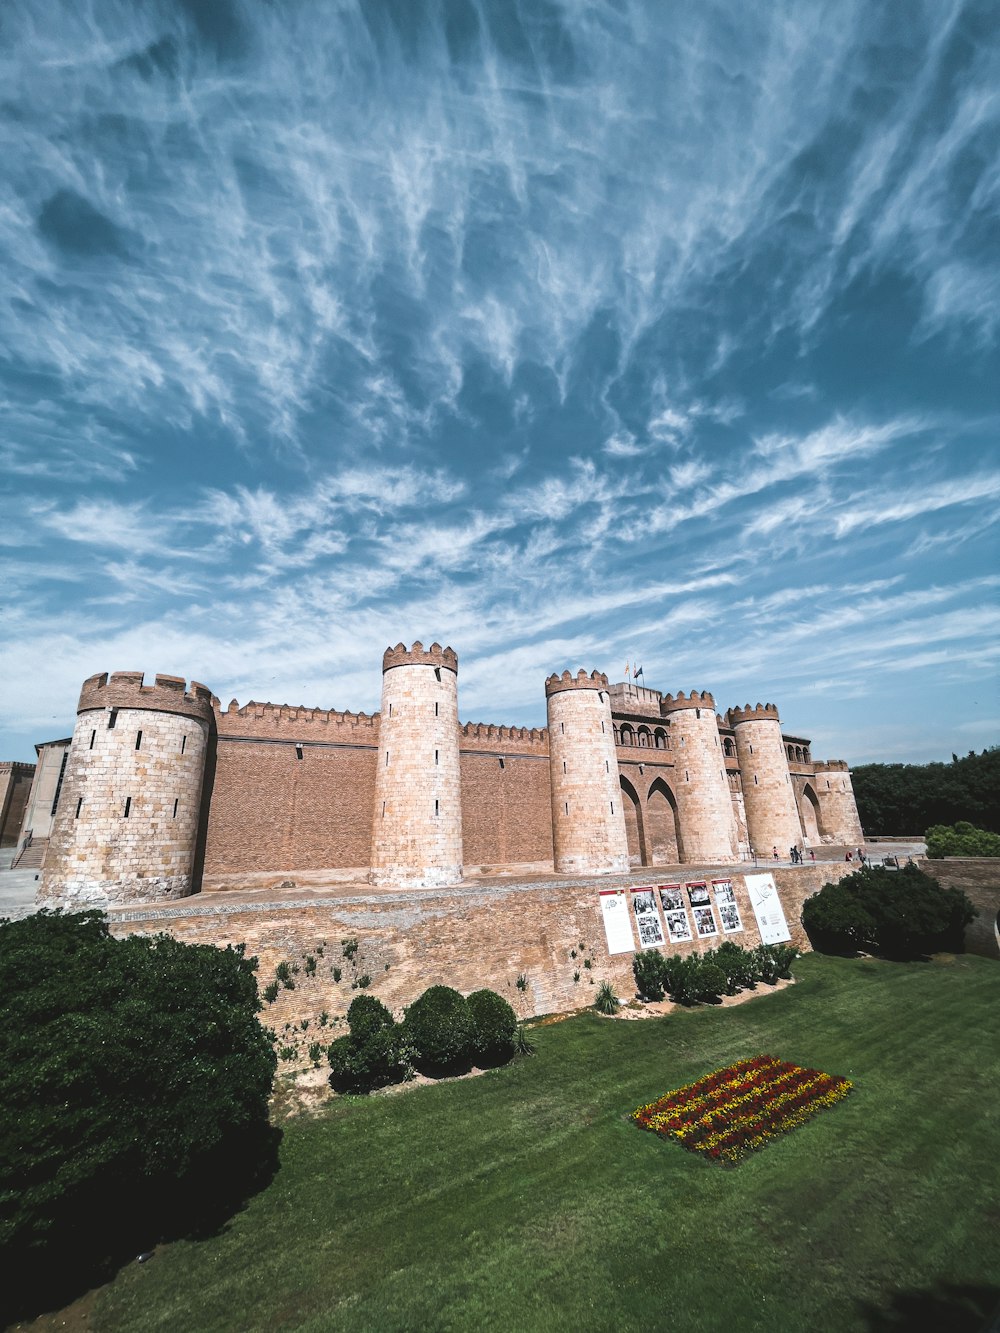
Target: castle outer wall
[{"x": 640, "y": 779}]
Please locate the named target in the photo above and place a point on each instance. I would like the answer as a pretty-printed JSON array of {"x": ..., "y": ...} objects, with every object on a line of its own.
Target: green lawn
[{"x": 525, "y": 1199}]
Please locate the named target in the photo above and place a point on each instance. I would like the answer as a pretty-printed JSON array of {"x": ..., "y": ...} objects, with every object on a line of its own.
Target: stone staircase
[{"x": 31, "y": 856}]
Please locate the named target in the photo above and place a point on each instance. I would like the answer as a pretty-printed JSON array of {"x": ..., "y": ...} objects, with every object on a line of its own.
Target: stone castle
[{"x": 161, "y": 790}]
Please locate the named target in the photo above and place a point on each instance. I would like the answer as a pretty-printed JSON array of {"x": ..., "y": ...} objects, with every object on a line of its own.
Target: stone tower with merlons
[
  {"x": 129, "y": 813},
  {"x": 417, "y": 819}
]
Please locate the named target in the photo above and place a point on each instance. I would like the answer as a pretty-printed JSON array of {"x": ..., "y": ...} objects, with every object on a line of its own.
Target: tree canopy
[
  {"x": 134, "y": 1080},
  {"x": 897, "y": 799}
]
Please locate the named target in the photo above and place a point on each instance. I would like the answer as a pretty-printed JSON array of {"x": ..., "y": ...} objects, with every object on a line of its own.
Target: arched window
[
  {"x": 660, "y": 738},
  {"x": 644, "y": 737},
  {"x": 628, "y": 735}
]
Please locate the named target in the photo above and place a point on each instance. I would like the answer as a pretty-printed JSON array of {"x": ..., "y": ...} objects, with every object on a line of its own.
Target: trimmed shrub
[
  {"x": 374, "y": 1059},
  {"x": 496, "y": 1026},
  {"x": 442, "y": 1031},
  {"x": 710, "y": 982},
  {"x": 901, "y": 914},
  {"x": 368, "y": 1014},
  {"x": 648, "y": 969},
  {"x": 737, "y": 963},
  {"x": 836, "y": 920}
]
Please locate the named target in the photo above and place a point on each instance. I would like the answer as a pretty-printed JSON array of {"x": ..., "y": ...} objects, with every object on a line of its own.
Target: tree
[
  {"x": 961, "y": 839},
  {"x": 904, "y": 798},
  {"x": 134, "y": 1080},
  {"x": 901, "y": 914}
]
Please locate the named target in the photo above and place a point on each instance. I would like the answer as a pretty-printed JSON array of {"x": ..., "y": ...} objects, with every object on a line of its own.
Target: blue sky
[{"x": 565, "y": 333}]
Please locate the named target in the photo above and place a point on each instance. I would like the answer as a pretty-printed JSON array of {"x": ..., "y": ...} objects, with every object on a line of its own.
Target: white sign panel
[
  {"x": 617, "y": 922},
  {"x": 767, "y": 909},
  {"x": 647, "y": 918}
]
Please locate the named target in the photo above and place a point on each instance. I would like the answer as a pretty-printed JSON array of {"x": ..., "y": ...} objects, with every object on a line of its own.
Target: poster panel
[
  {"x": 647, "y": 918},
  {"x": 767, "y": 909},
  {"x": 698, "y": 893},
  {"x": 617, "y": 925},
  {"x": 704, "y": 922},
  {"x": 725, "y": 901},
  {"x": 674, "y": 913}
]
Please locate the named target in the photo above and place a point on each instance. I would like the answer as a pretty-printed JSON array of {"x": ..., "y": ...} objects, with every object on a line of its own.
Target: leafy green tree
[
  {"x": 904, "y": 798},
  {"x": 134, "y": 1081},
  {"x": 961, "y": 839},
  {"x": 901, "y": 914},
  {"x": 374, "y": 1054}
]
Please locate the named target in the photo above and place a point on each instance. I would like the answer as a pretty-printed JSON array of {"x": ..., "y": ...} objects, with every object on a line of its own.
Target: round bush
[
  {"x": 367, "y": 1015},
  {"x": 496, "y": 1025},
  {"x": 375, "y": 1058},
  {"x": 441, "y": 1030},
  {"x": 648, "y": 968},
  {"x": 711, "y": 982},
  {"x": 836, "y": 921}
]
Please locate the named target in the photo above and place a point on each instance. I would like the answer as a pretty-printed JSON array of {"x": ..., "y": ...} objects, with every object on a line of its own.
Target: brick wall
[
  {"x": 15, "y": 783},
  {"x": 506, "y": 812},
  {"x": 273, "y": 811},
  {"x": 979, "y": 879}
]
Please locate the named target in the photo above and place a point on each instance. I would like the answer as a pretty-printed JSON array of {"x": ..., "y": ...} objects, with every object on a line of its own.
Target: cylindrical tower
[
  {"x": 704, "y": 803},
  {"x": 768, "y": 795},
  {"x": 417, "y": 824},
  {"x": 588, "y": 818},
  {"x": 128, "y": 815},
  {"x": 838, "y": 811}
]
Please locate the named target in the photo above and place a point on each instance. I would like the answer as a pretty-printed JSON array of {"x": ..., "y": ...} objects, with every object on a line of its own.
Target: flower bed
[{"x": 736, "y": 1110}]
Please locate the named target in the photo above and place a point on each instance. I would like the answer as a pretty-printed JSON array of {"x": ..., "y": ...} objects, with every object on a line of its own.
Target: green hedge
[
  {"x": 441, "y": 1030},
  {"x": 496, "y": 1026},
  {"x": 704, "y": 978}
]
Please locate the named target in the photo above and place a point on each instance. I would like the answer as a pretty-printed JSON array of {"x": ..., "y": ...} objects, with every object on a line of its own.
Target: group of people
[
  {"x": 849, "y": 855},
  {"x": 796, "y": 855}
]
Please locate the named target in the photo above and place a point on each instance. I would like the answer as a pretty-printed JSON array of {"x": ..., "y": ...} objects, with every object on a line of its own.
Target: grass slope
[{"x": 525, "y": 1200}]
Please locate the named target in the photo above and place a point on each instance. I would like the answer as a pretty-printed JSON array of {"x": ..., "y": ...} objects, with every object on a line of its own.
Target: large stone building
[{"x": 162, "y": 790}]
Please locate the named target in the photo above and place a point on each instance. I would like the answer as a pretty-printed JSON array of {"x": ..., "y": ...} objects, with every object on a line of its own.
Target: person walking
[{"x": 775, "y": 852}]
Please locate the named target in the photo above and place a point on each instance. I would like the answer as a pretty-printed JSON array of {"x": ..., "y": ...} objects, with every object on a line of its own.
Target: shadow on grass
[
  {"x": 110, "y": 1225},
  {"x": 947, "y": 1305}
]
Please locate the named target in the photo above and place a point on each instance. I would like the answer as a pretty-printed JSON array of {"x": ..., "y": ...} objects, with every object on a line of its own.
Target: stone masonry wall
[
  {"x": 588, "y": 818},
  {"x": 417, "y": 818},
  {"x": 127, "y": 822},
  {"x": 772, "y": 818},
  {"x": 704, "y": 803},
  {"x": 506, "y": 811},
  {"x": 15, "y": 783},
  {"x": 465, "y": 937}
]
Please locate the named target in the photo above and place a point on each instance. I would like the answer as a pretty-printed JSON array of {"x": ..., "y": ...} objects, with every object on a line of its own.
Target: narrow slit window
[
  {"x": 112, "y": 718},
  {"x": 387, "y": 758},
  {"x": 755, "y": 779},
  {"x": 184, "y": 741},
  {"x": 751, "y": 749},
  {"x": 697, "y": 712},
  {"x": 383, "y": 809},
  {"x": 175, "y": 807},
  {"x": 437, "y": 673},
  {"x": 436, "y": 707},
  {"x": 93, "y": 737},
  {"x": 138, "y": 740},
  {"x": 612, "y": 807},
  {"x": 607, "y": 767},
  {"x": 567, "y": 807},
  {"x": 502, "y": 761},
  {"x": 437, "y": 807},
  {"x": 562, "y": 728},
  {"x": 298, "y": 752},
  {"x": 602, "y": 729},
  {"x": 128, "y": 806},
  {"x": 437, "y": 756},
  {"x": 687, "y": 777},
  {"x": 390, "y": 710},
  {"x": 564, "y": 765},
  {"x": 79, "y": 807}
]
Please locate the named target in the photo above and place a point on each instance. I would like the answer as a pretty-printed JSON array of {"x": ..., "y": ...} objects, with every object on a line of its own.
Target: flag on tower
[
  {"x": 637, "y": 673},
  {"x": 628, "y": 669}
]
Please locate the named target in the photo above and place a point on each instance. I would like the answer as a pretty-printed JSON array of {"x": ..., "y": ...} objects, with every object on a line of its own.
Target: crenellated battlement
[
  {"x": 753, "y": 713},
  {"x": 696, "y": 699},
  {"x": 831, "y": 766},
  {"x": 125, "y": 689},
  {"x": 491, "y": 737},
  {"x": 418, "y": 655},
  {"x": 597, "y": 680},
  {"x": 279, "y": 721}
]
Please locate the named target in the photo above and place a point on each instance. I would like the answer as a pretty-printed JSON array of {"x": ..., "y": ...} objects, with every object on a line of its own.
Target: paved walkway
[{"x": 17, "y": 887}]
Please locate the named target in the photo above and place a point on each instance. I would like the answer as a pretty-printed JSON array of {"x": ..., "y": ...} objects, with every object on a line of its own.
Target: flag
[
  {"x": 628, "y": 669},
  {"x": 637, "y": 673}
]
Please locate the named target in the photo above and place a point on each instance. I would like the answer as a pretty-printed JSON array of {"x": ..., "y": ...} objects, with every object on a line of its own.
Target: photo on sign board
[
  {"x": 698, "y": 893},
  {"x": 729, "y": 915},
  {"x": 678, "y": 926},
  {"x": 724, "y": 892},
  {"x": 672, "y": 897},
  {"x": 647, "y": 918},
  {"x": 704, "y": 922}
]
